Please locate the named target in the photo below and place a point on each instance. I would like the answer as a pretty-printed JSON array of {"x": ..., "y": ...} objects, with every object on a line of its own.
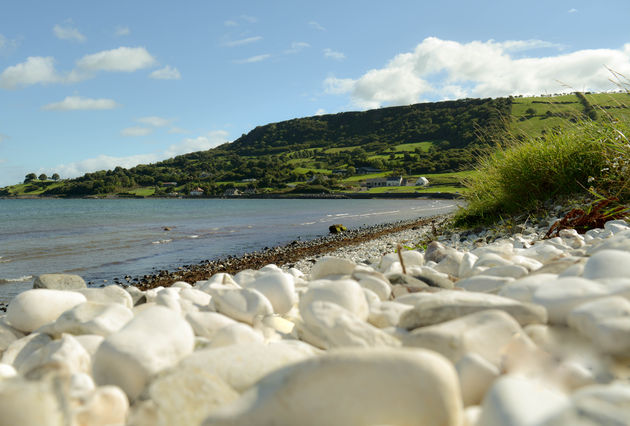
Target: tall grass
[{"x": 589, "y": 156}]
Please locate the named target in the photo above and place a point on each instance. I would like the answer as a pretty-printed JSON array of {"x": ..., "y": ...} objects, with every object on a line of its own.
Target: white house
[
  {"x": 422, "y": 181},
  {"x": 375, "y": 182}
]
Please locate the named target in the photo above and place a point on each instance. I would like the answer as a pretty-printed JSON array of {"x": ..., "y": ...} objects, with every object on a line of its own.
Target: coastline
[{"x": 286, "y": 256}]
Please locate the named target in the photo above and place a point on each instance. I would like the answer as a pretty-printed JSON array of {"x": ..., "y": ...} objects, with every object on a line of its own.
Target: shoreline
[{"x": 283, "y": 255}]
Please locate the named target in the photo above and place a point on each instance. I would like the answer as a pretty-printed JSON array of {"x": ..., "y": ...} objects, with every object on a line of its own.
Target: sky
[{"x": 90, "y": 85}]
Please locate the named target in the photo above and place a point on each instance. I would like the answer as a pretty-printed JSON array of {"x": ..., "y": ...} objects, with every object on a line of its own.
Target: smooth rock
[
  {"x": 484, "y": 283},
  {"x": 199, "y": 298},
  {"x": 279, "y": 288},
  {"x": 90, "y": 342},
  {"x": 242, "y": 304},
  {"x": 485, "y": 333},
  {"x": 109, "y": 294},
  {"x": 476, "y": 375},
  {"x": 233, "y": 334},
  {"x": 596, "y": 405},
  {"x": 524, "y": 288},
  {"x": 606, "y": 322},
  {"x": 435, "y": 252},
  {"x": 30, "y": 403},
  {"x": 515, "y": 401},
  {"x": 447, "y": 305},
  {"x": 155, "y": 339},
  {"x": 22, "y": 348},
  {"x": 59, "y": 282},
  {"x": 422, "y": 388},
  {"x": 466, "y": 265},
  {"x": 185, "y": 396},
  {"x": 108, "y": 405},
  {"x": 242, "y": 365},
  {"x": 432, "y": 277},
  {"x": 329, "y": 265},
  {"x": 33, "y": 308},
  {"x": 607, "y": 264},
  {"x": 387, "y": 314},
  {"x": 379, "y": 286},
  {"x": 65, "y": 356},
  {"x": 8, "y": 335},
  {"x": 207, "y": 324},
  {"x": 181, "y": 284},
  {"x": 90, "y": 318},
  {"x": 559, "y": 297},
  {"x": 328, "y": 325},
  {"x": 450, "y": 263},
  {"x": 345, "y": 293},
  {"x": 514, "y": 271}
]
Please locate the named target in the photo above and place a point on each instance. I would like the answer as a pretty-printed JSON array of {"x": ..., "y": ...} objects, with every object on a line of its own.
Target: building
[
  {"x": 232, "y": 192},
  {"x": 375, "y": 182},
  {"x": 197, "y": 192},
  {"x": 367, "y": 170},
  {"x": 394, "y": 181},
  {"x": 422, "y": 181}
]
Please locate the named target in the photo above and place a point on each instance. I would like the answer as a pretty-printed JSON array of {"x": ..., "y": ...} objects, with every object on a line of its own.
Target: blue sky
[{"x": 89, "y": 85}]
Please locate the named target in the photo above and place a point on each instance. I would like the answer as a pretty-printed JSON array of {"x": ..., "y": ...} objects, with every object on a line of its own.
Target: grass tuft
[{"x": 587, "y": 157}]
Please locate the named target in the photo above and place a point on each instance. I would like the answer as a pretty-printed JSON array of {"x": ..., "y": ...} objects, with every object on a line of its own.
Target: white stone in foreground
[
  {"x": 234, "y": 334},
  {"x": 485, "y": 333},
  {"x": 59, "y": 282},
  {"x": 596, "y": 405},
  {"x": 562, "y": 295},
  {"x": 8, "y": 335},
  {"x": 518, "y": 401},
  {"x": 65, "y": 356},
  {"x": 155, "y": 339},
  {"x": 242, "y": 304},
  {"x": 328, "y": 325},
  {"x": 184, "y": 396},
  {"x": 90, "y": 318},
  {"x": 353, "y": 387},
  {"x": 107, "y": 405},
  {"x": 607, "y": 264},
  {"x": 33, "y": 308},
  {"x": 606, "y": 322},
  {"x": 30, "y": 403},
  {"x": 447, "y": 305},
  {"x": 475, "y": 377},
  {"x": 345, "y": 293},
  {"x": 329, "y": 265},
  {"x": 279, "y": 288},
  {"x": 242, "y": 365},
  {"x": 22, "y": 348},
  {"x": 108, "y": 294},
  {"x": 207, "y": 324},
  {"x": 484, "y": 283}
]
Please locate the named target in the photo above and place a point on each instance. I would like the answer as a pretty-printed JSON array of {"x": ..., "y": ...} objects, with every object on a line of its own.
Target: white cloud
[
  {"x": 329, "y": 53},
  {"x": 68, "y": 33},
  {"x": 35, "y": 70},
  {"x": 230, "y": 23},
  {"x": 77, "y": 103},
  {"x": 297, "y": 46},
  {"x": 155, "y": 121},
  {"x": 443, "y": 69},
  {"x": 320, "y": 111},
  {"x": 125, "y": 59},
  {"x": 3, "y": 137},
  {"x": 573, "y": 10},
  {"x": 243, "y": 41},
  {"x": 166, "y": 73},
  {"x": 136, "y": 131},
  {"x": 316, "y": 26},
  {"x": 106, "y": 162},
  {"x": 252, "y": 59},
  {"x": 120, "y": 31}
]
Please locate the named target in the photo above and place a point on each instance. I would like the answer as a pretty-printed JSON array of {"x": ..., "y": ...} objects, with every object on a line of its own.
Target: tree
[
  {"x": 30, "y": 177},
  {"x": 55, "y": 176},
  {"x": 43, "y": 176}
]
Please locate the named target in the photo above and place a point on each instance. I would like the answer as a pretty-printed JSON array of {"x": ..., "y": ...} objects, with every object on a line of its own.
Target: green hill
[{"x": 439, "y": 139}]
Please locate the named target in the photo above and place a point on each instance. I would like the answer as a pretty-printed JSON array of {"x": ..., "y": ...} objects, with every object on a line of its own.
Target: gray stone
[{"x": 59, "y": 282}]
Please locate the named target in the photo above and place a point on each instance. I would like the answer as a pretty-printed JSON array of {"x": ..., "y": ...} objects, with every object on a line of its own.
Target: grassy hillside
[{"x": 439, "y": 140}]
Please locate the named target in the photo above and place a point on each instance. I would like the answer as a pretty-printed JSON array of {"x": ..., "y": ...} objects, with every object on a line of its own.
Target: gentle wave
[
  {"x": 16, "y": 280},
  {"x": 161, "y": 242}
]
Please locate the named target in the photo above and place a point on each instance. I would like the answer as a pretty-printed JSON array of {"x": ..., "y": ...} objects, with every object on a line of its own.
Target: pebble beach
[{"x": 413, "y": 325}]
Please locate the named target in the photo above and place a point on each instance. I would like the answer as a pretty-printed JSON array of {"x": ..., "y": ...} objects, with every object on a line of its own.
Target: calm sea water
[{"x": 103, "y": 239}]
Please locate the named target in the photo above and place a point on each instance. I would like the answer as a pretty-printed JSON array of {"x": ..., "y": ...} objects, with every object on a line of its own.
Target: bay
[{"x": 103, "y": 239}]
